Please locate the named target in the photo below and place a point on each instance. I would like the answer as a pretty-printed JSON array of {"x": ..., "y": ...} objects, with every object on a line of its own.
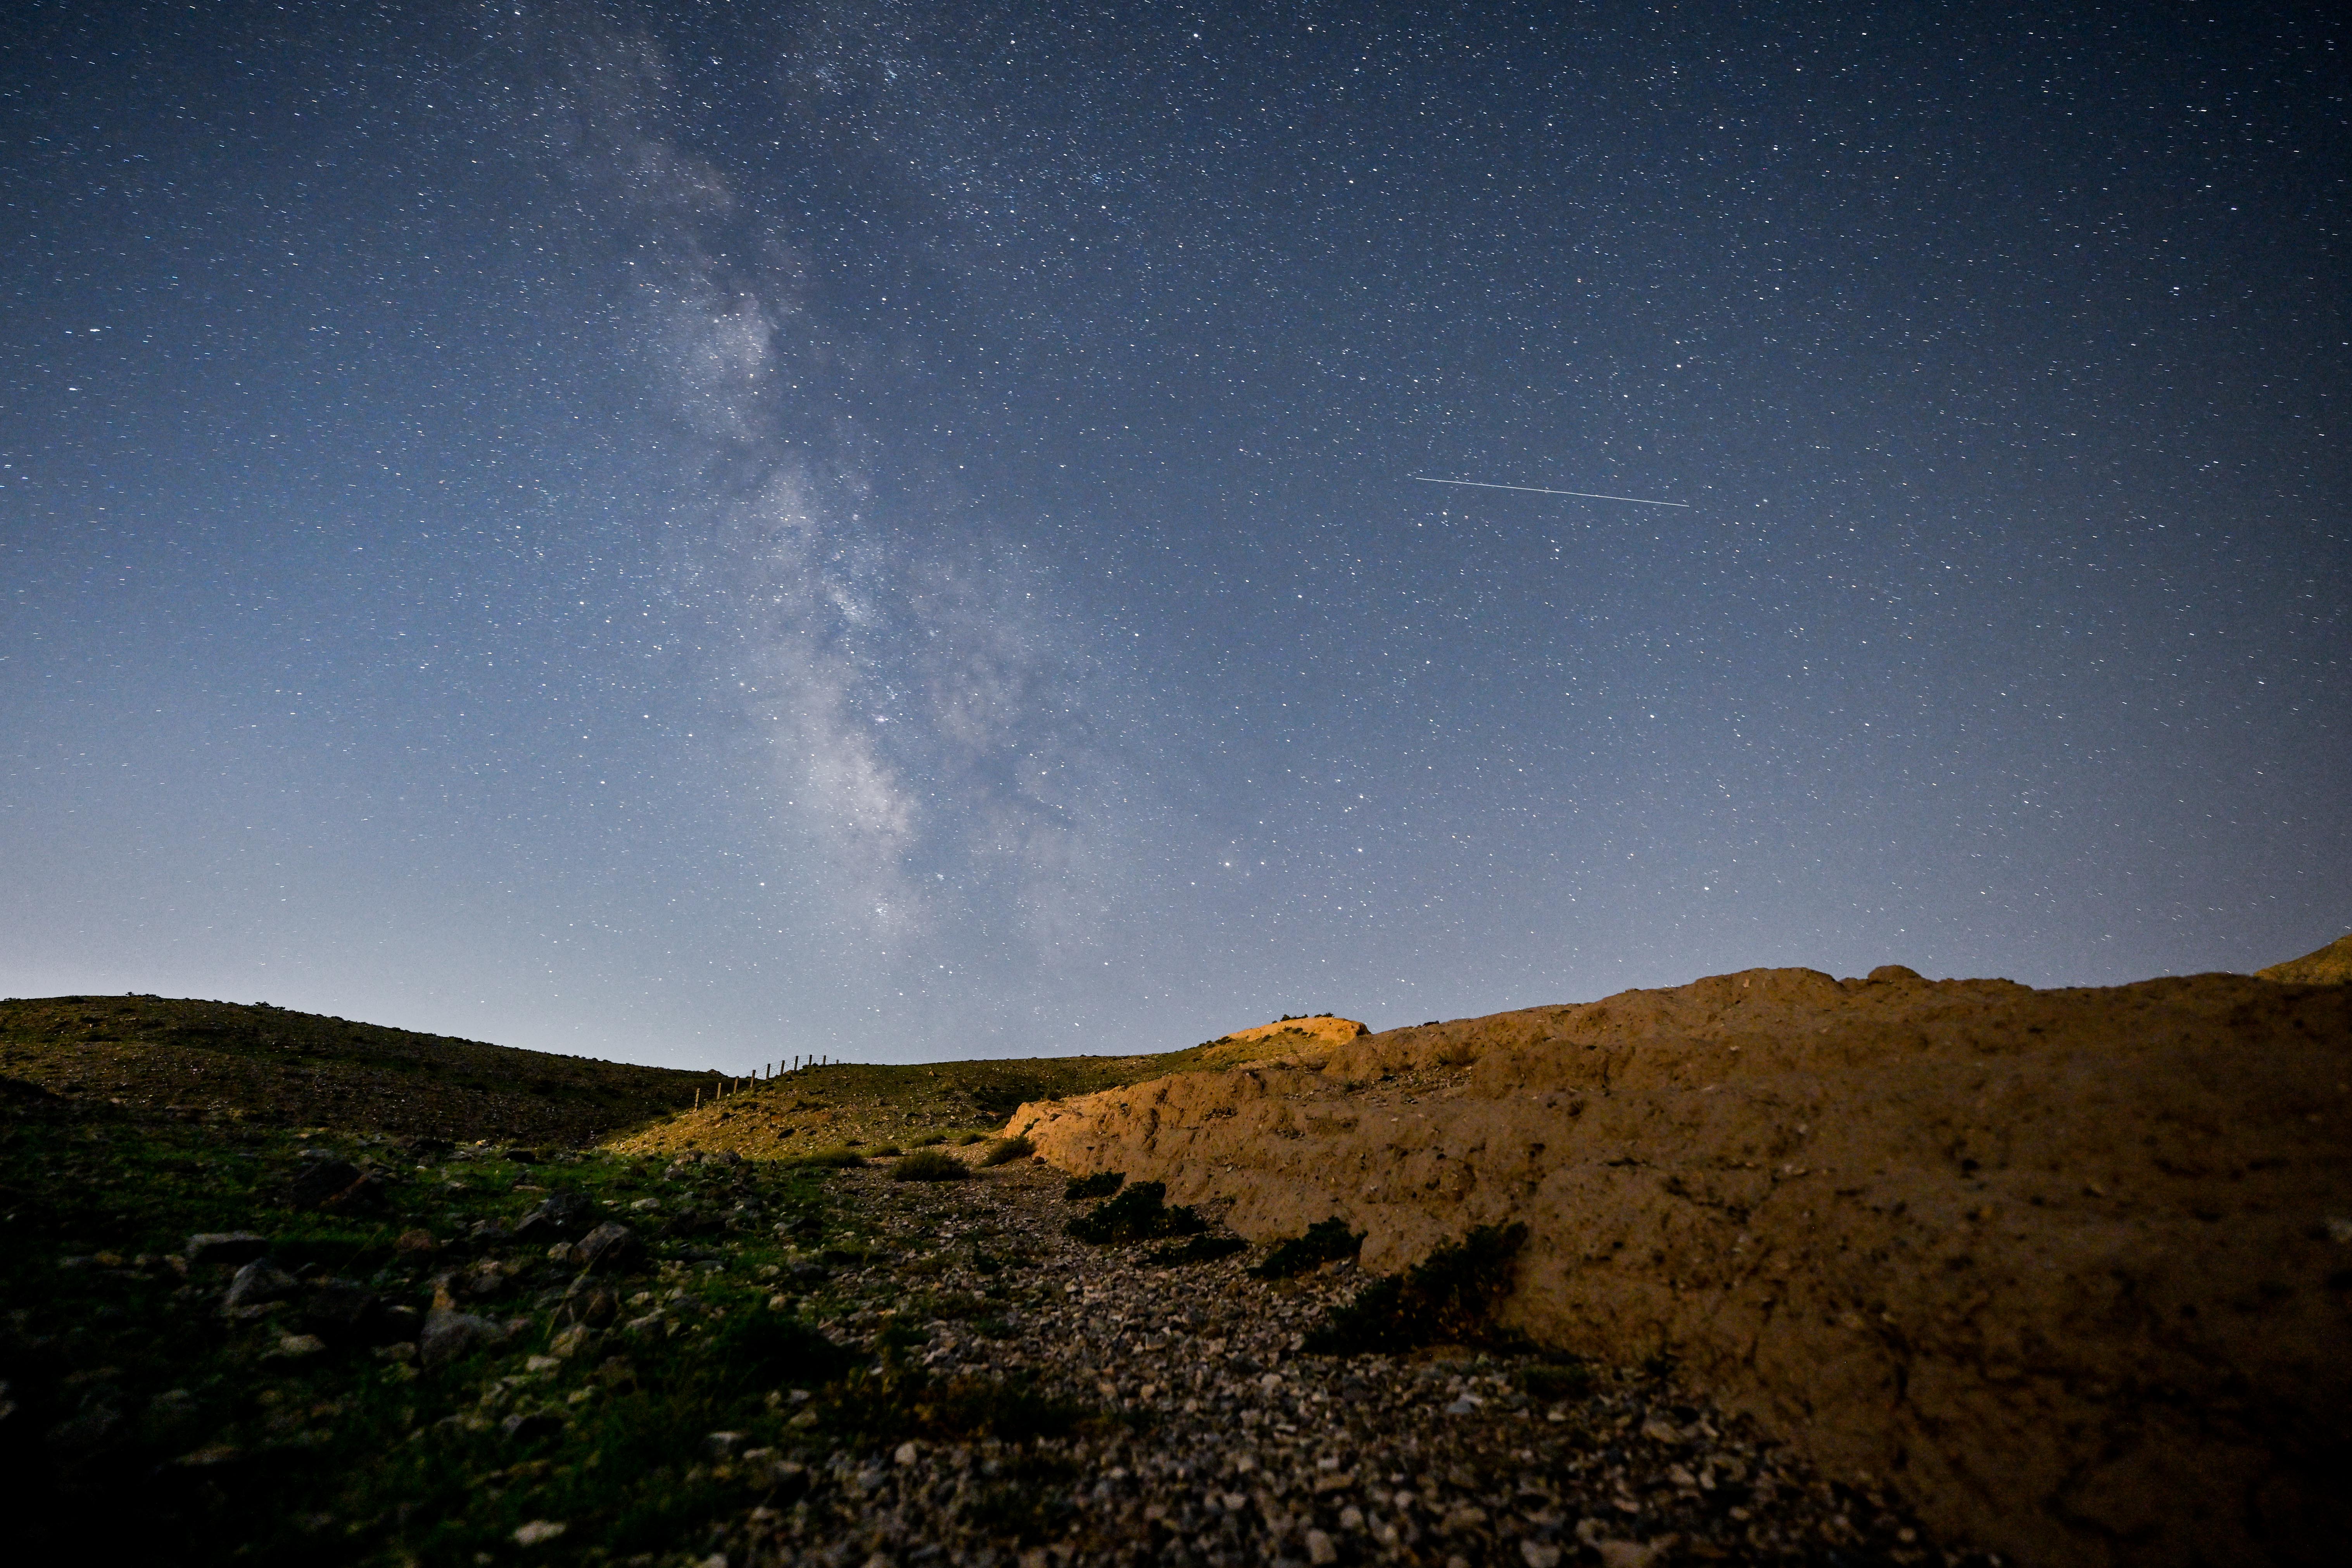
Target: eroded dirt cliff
[{"x": 2073, "y": 1267}]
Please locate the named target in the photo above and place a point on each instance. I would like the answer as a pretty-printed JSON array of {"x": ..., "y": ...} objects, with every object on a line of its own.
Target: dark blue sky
[{"x": 891, "y": 530}]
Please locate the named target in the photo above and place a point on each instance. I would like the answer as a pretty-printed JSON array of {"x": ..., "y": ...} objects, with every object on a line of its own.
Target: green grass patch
[{"x": 1008, "y": 1150}]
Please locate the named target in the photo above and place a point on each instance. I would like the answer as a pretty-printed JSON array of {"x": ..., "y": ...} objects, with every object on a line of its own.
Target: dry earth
[{"x": 2074, "y": 1267}]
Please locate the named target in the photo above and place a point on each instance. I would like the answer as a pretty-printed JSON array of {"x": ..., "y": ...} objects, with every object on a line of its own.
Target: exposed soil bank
[{"x": 2074, "y": 1267}]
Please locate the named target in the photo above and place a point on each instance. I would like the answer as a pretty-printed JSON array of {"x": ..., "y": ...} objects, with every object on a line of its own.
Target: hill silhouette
[{"x": 230, "y": 1061}]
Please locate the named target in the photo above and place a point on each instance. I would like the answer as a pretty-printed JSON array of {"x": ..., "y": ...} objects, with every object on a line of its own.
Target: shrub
[
  {"x": 1326, "y": 1241},
  {"x": 930, "y": 1165},
  {"x": 827, "y": 1159},
  {"x": 931, "y": 1140},
  {"x": 1008, "y": 1150},
  {"x": 969, "y": 1139},
  {"x": 1139, "y": 1213},
  {"x": 888, "y": 1152},
  {"x": 1448, "y": 1297},
  {"x": 1101, "y": 1184}
]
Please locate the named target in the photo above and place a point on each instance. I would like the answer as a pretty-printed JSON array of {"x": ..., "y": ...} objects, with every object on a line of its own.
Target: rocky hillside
[
  {"x": 2074, "y": 1267},
  {"x": 225, "y": 1061}
]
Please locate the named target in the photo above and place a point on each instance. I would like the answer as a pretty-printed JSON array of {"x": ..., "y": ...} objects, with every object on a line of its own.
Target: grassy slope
[
  {"x": 233, "y": 1062},
  {"x": 117, "y": 1364}
]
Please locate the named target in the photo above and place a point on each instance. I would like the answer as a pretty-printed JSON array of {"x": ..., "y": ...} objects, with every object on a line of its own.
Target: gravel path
[{"x": 1220, "y": 1443}]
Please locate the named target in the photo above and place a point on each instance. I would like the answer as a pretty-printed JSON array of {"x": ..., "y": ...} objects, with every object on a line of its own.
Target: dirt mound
[
  {"x": 2329, "y": 965},
  {"x": 2074, "y": 1267},
  {"x": 1304, "y": 1040}
]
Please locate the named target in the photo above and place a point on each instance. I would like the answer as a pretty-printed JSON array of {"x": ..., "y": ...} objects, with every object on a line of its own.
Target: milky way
[{"x": 891, "y": 530}]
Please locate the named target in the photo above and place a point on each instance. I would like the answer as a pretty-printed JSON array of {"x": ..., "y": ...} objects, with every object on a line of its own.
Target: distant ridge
[
  {"x": 2329, "y": 965},
  {"x": 231, "y": 1062}
]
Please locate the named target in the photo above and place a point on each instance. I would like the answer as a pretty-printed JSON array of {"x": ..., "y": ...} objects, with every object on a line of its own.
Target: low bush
[
  {"x": 1008, "y": 1150},
  {"x": 1448, "y": 1297},
  {"x": 930, "y": 1165},
  {"x": 1326, "y": 1241},
  {"x": 1101, "y": 1184},
  {"x": 888, "y": 1152},
  {"x": 827, "y": 1159},
  {"x": 1139, "y": 1213}
]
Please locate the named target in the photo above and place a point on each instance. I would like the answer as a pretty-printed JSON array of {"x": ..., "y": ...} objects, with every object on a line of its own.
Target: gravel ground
[{"x": 1218, "y": 1442}]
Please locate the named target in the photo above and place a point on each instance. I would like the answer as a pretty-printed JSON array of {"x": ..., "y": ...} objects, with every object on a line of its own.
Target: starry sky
[{"x": 704, "y": 533}]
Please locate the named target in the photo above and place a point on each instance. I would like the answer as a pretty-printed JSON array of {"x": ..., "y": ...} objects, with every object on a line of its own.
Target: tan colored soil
[
  {"x": 2329, "y": 965},
  {"x": 2074, "y": 1267}
]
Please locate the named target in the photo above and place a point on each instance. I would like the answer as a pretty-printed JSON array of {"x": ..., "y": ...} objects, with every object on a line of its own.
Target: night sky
[{"x": 708, "y": 532}]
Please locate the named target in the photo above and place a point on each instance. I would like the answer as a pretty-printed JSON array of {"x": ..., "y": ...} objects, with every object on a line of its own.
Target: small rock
[
  {"x": 415, "y": 1243},
  {"x": 1319, "y": 1549},
  {"x": 537, "y": 1531},
  {"x": 529, "y": 1426},
  {"x": 610, "y": 1249},
  {"x": 577, "y": 1340},
  {"x": 722, "y": 1444},
  {"x": 257, "y": 1283},
  {"x": 293, "y": 1347},
  {"x": 87, "y": 1432},
  {"x": 560, "y": 1215},
  {"x": 207, "y": 1457},
  {"x": 448, "y": 1336},
  {"x": 1538, "y": 1554},
  {"x": 1625, "y": 1553},
  {"x": 341, "y": 1311},
  {"x": 908, "y": 1454},
  {"x": 232, "y": 1247}
]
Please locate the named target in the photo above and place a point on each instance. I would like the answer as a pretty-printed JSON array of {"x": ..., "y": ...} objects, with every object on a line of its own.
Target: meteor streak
[{"x": 1539, "y": 490}]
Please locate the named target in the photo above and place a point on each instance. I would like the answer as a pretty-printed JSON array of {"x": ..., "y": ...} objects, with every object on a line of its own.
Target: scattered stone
[
  {"x": 228, "y": 1246},
  {"x": 565, "y": 1213},
  {"x": 610, "y": 1249},
  {"x": 529, "y": 1426},
  {"x": 256, "y": 1284},
  {"x": 415, "y": 1243},
  {"x": 537, "y": 1531},
  {"x": 293, "y": 1347},
  {"x": 722, "y": 1444},
  {"x": 448, "y": 1336}
]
